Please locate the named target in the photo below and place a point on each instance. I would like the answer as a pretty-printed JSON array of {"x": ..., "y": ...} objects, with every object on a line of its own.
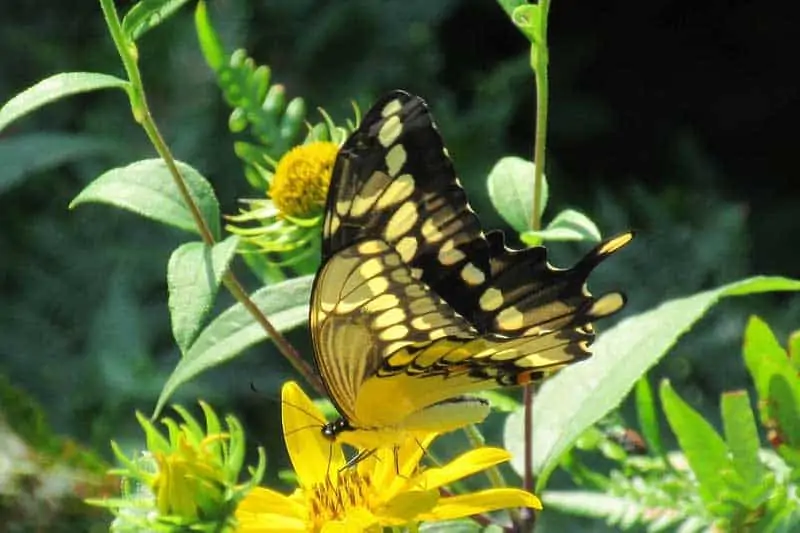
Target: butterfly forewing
[{"x": 393, "y": 180}]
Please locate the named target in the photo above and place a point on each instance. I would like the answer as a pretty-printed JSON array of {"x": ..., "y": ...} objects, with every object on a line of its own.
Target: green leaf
[
  {"x": 511, "y": 191},
  {"x": 54, "y": 88},
  {"x": 776, "y": 382},
  {"x": 25, "y": 155},
  {"x": 794, "y": 348},
  {"x": 194, "y": 273},
  {"x": 148, "y": 189},
  {"x": 528, "y": 18},
  {"x": 509, "y": 5},
  {"x": 582, "y": 394},
  {"x": 148, "y": 14},
  {"x": 648, "y": 416},
  {"x": 741, "y": 435},
  {"x": 568, "y": 225},
  {"x": 286, "y": 306},
  {"x": 210, "y": 43},
  {"x": 705, "y": 450}
]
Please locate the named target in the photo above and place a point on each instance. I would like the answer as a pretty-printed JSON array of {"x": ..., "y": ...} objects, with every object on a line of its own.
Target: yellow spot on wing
[
  {"x": 509, "y": 319},
  {"x": 399, "y": 190},
  {"x": 371, "y": 247},
  {"x": 395, "y": 159},
  {"x": 472, "y": 274},
  {"x": 378, "y": 285},
  {"x": 390, "y": 131},
  {"x": 407, "y": 247},
  {"x": 430, "y": 231},
  {"x": 449, "y": 255},
  {"x": 402, "y": 220},
  {"x": 391, "y": 108},
  {"x": 389, "y": 318},
  {"x": 491, "y": 299},
  {"x": 394, "y": 333},
  {"x": 382, "y": 303}
]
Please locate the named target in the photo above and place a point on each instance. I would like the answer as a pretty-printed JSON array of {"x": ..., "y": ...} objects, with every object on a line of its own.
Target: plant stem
[
  {"x": 539, "y": 62},
  {"x": 141, "y": 113}
]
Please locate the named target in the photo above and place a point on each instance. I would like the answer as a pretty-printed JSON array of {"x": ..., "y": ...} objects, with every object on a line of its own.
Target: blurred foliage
[{"x": 84, "y": 325}]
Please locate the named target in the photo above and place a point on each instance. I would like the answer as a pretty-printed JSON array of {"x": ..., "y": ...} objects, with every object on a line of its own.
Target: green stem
[
  {"x": 141, "y": 113},
  {"x": 539, "y": 63}
]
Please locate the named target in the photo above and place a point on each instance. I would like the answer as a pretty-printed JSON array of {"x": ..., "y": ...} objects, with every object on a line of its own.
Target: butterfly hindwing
[{"x": 365, "y": 307}]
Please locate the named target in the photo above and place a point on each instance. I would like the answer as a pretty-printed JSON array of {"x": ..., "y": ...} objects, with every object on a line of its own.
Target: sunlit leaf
[
  {"x": 511, "y": 191},
  {"x": 147, "y": 14},
  {"x": 647, "y": 414},
  {"x": 568, "y": 225},
  {"x": 194, "y": 273},
  {"x": 55, "y": 88},
  {"x": 210, "y": 43},
  {"x": 706, "y": 452},
  {"x": 148, "y": 189},
  {"x": 582, "y": 394},
  {"x": 286, "y": 306},
  {"x": 741, "y": 435}
]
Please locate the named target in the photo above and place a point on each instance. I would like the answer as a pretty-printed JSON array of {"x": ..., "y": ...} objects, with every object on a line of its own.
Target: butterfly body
[{"x": 415, "y": 309}]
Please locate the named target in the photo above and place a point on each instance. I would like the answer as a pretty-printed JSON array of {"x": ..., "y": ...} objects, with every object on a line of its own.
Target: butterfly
[{"x": 415, "y": 308}]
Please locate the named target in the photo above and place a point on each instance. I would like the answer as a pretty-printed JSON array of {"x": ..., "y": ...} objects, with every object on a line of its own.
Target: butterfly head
[{"x": 332, "y": 430}]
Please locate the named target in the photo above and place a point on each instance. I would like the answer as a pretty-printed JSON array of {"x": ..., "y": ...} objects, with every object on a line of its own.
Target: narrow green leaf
[
  {"x": 568, "y": 225},
  {"x": 148, "y": 189},
  {"x": 794, "y": 349},
  {"x": 286, "y": 306},
  {"x": 763, "y": 355},
  {"x": 706, "y": 452},
  {"x": 776, "y": 381},
  {"x": 147, "y": 14},
  {"x": 194, "y": 273},
  {"x": 741, "y": 435},
  {"x": 647, "y": 414},
  {"x": 55, "y": 88},
  {"x": 210, "y": 43},
  {"x": 582, "y": 394},
  {"x": 26, "y": 155},
  {"x": 510, "y": 186}
]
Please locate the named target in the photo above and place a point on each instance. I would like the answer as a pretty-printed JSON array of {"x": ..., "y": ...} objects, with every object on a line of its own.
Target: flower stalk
[{"x": 141, "y": 113}]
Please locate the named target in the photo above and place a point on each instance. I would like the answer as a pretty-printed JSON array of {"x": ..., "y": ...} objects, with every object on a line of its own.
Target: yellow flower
[
  {"x": 386, "y": 489},
  {"x": 300, "y": 184}
]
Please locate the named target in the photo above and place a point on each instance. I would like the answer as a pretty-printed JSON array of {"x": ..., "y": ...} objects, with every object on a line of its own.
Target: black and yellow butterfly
[{"x": 414, "y": 307}]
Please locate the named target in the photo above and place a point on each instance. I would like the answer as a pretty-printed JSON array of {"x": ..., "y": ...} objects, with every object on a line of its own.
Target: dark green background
[{"x": 674, "y": 118}]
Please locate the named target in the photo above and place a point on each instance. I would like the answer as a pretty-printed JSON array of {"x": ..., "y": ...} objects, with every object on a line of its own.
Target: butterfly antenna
[
  {"x": 303, "y": 428},
  {"x": 306, "y": 412}
]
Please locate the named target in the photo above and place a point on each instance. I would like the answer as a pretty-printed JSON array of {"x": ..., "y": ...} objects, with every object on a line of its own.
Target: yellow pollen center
[
  {"x": 300, "y": 184},
  {"x": 333, "y": 499}
]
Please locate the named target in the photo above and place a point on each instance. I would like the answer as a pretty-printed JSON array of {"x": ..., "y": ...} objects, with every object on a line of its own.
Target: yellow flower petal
[
  {"x": 261, "y": 500},
  {"x": 481, "y": 502},
  {"x": 462, "y": 466},
  {"x": 393, "y": 467},
  {"x": 312, "y": 455},
  {"x": 357, "y": 521},
  {"x": 270, "y": 523},
  {"x": 407, "y": 505}
]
